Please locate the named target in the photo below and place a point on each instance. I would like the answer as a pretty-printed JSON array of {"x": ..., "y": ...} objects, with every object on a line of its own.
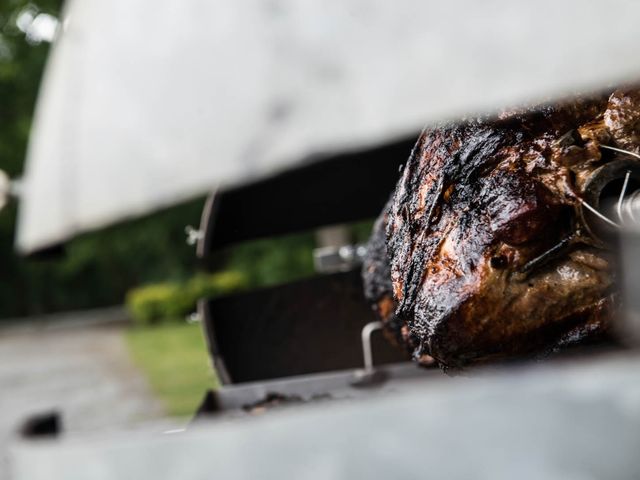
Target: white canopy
[{"x": 146, "y": 103}]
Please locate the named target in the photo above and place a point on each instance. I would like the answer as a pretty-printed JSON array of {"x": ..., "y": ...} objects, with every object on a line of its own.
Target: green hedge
[{"x": 173, "y": 301}]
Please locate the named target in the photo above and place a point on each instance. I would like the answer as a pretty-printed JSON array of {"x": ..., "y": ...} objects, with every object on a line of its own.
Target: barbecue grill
[
  {"x": 312, "y": 339},
  {"x": 304, "y": 340}
]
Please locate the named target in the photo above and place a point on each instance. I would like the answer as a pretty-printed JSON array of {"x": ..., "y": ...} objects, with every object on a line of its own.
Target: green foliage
[
  {"x": 171, "y": 301},
  {"x": 153, "y": 303},
  {"x": 98, "y": 269},
  {"x": 274, "y": 260},
  {"x": 175, "y": 360},
  {"x": 215, "y": 285},
  {"x": 21, "y": 66}
]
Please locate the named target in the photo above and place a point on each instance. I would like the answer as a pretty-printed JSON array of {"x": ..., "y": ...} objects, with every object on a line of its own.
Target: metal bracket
[
  {"x": 338, "y": 259},
  {"x": 193, "y": 235},
  {"x": 368, "y": 376},
  {"x": 367, "y": 350}
]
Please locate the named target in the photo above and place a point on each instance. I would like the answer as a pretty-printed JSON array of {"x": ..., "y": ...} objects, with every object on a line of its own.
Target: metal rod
[
  {"x": 621, "y": 197},
  {"x": 599, "y": 215},
  {"x": 620, "y": 150},
  {"x": 554, "y": 252},
  {"x": 367, "y": 330}
]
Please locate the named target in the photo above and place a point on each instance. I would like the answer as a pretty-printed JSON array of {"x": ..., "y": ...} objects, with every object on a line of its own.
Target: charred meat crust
[
  {"x": 480, "y": 199},
  {"x": 378, "y": 290}
]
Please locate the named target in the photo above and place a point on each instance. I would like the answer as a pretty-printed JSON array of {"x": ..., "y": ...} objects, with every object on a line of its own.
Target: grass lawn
[{"x": 175, "y": 360}]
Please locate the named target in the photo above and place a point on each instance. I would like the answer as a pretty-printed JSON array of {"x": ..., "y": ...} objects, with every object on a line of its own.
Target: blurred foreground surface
[
  {"x": 578, "y": 419},
  {"x": 80, "y": 370}
]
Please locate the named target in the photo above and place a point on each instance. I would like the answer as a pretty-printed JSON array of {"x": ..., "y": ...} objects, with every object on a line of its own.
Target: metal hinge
[{"x": 193, "y": 235}]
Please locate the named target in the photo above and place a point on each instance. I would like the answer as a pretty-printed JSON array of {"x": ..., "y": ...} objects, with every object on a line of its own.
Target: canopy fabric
[{"x": 145, "y": 104}]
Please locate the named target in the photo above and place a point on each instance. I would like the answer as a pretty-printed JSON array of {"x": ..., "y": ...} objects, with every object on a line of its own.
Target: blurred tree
[{"x": 21, "y": 64}]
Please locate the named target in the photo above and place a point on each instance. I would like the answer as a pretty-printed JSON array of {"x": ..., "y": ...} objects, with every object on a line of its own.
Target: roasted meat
[
  {"x": 378, "y": 290},
  {"x": 491, "y": 249}
]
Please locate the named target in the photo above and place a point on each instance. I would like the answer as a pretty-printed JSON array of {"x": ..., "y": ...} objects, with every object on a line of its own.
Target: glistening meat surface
[{"x": 488, "y": 251}]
